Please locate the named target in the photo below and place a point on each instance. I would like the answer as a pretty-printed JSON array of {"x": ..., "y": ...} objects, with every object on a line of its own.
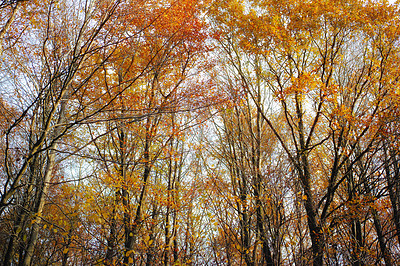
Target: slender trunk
[
  {"x": 151, "y": 249},
  {"x": 316, "y": 235},
  {"x": 127, "y": 224},
  {"x": 130, "y": 238},
  {"x": 175, "y": 240},
  {"x": 176, "y": 200},
  {"x": 356, "y": 242},
  {"x": 21, "y": 219},
  {"x": 175, "y": 225},
  {"x": 377, "y": 223},
  {"x": 300, "y": 256},
  {"x": 267, "y": 257},
  {"x": 175, "y": 251},
  {"x": 167, "y": 239},
  {"x": 256, "y": 161},
  {"x": 392, "y": 174},
  {"x": 381, "y": 239},
  {"x": 167, "y": 215},
  {"x": 44, "y": 186},
  {"x": 111, "y": 241},
  {"x": 379, "y": 231},
  {"x": 14, "y": 237},
  {"x": 317, "y": 238},
  {"x": 245, "y": 224},
  {"x": 124, "y": 191},
  {"x": 39, "y": 208}
]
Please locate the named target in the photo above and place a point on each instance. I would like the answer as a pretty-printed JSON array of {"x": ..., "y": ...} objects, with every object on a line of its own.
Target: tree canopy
[{"x": 199, "y": 132}]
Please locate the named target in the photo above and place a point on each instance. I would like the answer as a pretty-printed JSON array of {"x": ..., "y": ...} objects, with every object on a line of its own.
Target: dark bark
[
  {"x": 132, "y": 231},
  {"x": 392, "y": 175},
  {"x": 385, "y": 253},
  {"x": 111, "y": 241}
]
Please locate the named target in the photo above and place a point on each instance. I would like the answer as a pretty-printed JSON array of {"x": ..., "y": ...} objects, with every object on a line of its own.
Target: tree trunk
[
  {"x": 21, "y": 220},
  {"x": 45, "y": 185},
  {"x": 316, "y": 235},
  {"x": 39, "y": 207},
  {"x": 392, "y": 174},
  {"x": 111, "y": 241},
  {"x": 130, "y": 235},
  {"x": 381, "y": 239}
]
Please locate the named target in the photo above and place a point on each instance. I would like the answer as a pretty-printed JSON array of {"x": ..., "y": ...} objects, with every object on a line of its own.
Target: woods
[{"x": 199, "y": 132}]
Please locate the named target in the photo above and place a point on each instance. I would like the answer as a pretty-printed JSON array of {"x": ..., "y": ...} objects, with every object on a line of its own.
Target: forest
[{"x": 199, "y": 132}]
